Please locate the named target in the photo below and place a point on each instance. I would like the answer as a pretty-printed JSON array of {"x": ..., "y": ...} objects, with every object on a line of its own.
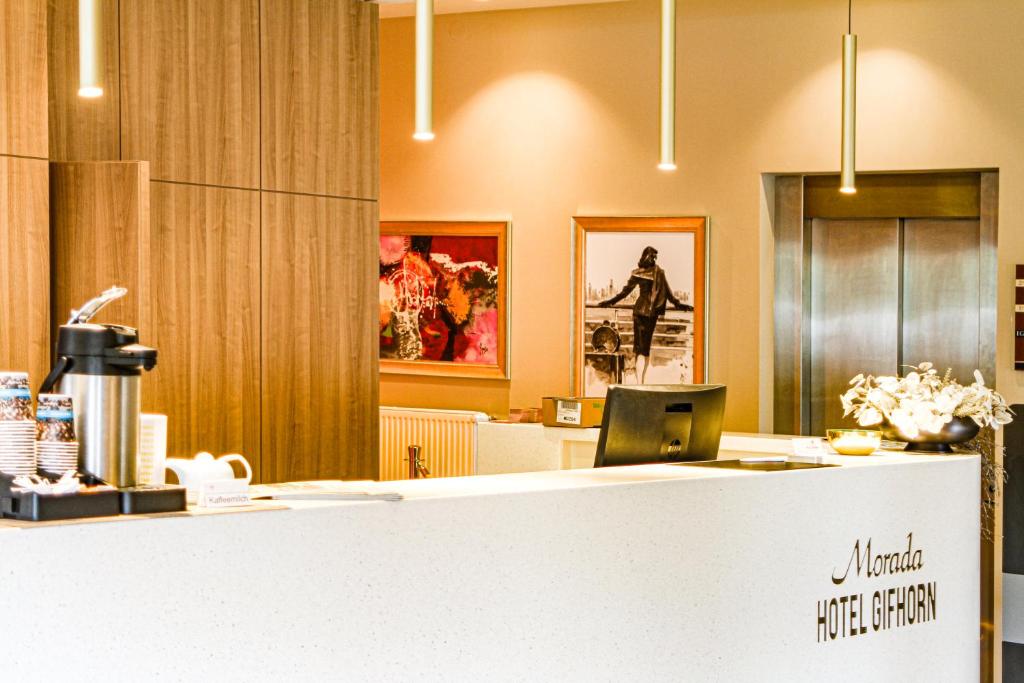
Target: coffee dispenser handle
[
  {"x": 62, "y": 365},
  {"x": 93, "y": 306}
]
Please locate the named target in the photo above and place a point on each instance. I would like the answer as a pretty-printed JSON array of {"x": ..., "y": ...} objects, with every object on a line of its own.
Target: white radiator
[{"x": 447, "y": 438}]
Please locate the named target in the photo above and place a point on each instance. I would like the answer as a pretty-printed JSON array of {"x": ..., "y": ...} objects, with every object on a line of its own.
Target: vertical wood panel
[
  {"x": 319, "y": 338},
  {"x": 190, "y": 89},
  {"x": 894, "y": 195},
  {"x": 99, "y": 225},
  {"x": 204, "y": 318},
  {"x": 82, "y": 128},
  {"x": 188, "y": 101},
  {"x": 23, "y": 78},
  {"x": 24, "y": 267},
  {"x": 320, "y": 92}
]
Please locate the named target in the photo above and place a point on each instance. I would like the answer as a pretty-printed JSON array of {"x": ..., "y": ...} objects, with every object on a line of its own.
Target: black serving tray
[
  {"x": 141, "y": 500},
  {"x": 35, "y": 507}
]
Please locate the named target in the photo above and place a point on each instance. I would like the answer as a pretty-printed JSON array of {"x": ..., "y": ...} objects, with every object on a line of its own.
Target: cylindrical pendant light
[
  {"x": 89, "y": 63},
  {"x": 668, "y": 86},
  {"x": 424, "y": 70},
  {"x": 847, "y": 183}
]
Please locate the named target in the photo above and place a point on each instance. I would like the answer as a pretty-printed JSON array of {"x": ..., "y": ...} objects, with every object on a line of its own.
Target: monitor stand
[{"x": 675, "y": 431}]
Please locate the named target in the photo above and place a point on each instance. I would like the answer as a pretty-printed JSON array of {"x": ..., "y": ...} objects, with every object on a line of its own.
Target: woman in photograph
[{"x": 655, "y": 294}]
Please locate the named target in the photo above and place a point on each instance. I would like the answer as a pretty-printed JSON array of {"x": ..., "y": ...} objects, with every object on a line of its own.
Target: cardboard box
[{"x": 572, "y": 412}]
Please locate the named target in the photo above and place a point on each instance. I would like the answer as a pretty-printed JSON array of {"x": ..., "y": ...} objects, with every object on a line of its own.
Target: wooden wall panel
[
  {"x": 99, "y": 227},
  {"x": 81, "y": 128},
  {"x": 23, "y": 78},
  {"x": 190, "y": 89},
  {"x": 204, "y": 318},
  {"x": 951, "y": 194},
  {"x": 24, "y": 267},
  {"x": 320, "y": 92},
  {"x": 319, "y": 345},
  {"x": 214, "y": 278}
]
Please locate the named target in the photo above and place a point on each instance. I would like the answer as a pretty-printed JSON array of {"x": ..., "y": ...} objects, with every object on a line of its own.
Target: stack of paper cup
[
  {"x": 17, "y": 428},
  {"x": 152, "y": 450},
  {"x": 56, "y": 447}
]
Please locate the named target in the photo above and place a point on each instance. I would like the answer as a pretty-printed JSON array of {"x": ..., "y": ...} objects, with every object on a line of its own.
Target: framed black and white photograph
[{"x": 639, "y": 302}]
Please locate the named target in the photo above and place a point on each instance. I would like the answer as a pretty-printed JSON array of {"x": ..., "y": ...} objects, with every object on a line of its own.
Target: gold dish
[{"x": 854, "y": 441}]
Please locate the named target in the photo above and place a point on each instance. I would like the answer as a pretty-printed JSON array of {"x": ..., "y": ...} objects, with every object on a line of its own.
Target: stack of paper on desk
[{"x": 332, "y": 489}]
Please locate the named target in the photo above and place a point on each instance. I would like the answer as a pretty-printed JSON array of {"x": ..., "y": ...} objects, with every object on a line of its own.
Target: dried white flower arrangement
[{"x": 923, "y": 401}]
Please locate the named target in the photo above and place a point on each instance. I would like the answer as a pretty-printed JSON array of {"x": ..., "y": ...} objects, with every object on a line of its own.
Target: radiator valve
[{"x": 417, "y": 465}]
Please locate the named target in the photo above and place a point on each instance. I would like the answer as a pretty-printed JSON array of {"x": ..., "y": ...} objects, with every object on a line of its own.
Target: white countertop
[
  {"x": 552, "y": 480},
  {"x": 653, "y": 572},
  {"x": 548, "y": 480},
  {"x": 509, "y": 447}
]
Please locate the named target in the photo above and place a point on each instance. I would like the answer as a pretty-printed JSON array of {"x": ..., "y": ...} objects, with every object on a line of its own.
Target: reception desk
[{"x": 862, "y": 572}]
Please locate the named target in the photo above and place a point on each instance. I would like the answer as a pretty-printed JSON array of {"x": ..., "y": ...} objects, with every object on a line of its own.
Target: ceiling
[{"x": 406, "y": 8}]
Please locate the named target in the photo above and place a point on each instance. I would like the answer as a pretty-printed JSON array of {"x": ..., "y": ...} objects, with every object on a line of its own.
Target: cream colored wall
[{"x": 542, "y": 114}]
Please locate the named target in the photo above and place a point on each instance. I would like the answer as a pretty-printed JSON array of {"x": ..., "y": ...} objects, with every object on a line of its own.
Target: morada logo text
[{"x": 851, "y": 615}]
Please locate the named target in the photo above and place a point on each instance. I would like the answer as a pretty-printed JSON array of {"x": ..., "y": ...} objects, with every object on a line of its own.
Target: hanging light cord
[{"x": 849, "y": 17}]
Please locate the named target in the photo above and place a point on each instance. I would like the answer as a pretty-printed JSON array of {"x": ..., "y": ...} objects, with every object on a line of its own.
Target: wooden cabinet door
[
  {"x": 320, "y": 102},
  {"x": 99, "y": 232},
  {"x": 190, "y": 89},
  {"x": 23, "y": 78},
  {"x": 203, "y": 317},
  {"x": 319, "y": 338},
  {"x": 24, "y": 267},
  {"x": 82, "y": 128}
]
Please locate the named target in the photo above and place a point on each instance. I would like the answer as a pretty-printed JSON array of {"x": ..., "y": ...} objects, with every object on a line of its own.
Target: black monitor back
[{"x": 660, "y": 423}]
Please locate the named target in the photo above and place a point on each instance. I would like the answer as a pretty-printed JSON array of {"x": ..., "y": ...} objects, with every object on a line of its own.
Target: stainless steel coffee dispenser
[{"x": 100, "y": 367}]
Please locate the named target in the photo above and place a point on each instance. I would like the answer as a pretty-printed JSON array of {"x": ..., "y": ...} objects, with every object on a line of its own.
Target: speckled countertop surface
[
  {"x": 653, "y": 572},
  {"x": 522, "y": 482}
]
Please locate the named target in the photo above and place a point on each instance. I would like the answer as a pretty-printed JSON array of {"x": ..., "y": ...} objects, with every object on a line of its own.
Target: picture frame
[
  {"x": 443, "y": 298},
  {"x": 606, "y": 258}
]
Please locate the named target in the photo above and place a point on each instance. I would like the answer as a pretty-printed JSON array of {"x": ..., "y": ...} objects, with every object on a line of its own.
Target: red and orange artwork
[{"x": 440, "y": 298}]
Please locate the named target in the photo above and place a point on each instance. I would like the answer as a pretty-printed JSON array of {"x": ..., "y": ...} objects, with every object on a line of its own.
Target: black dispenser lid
[
  {"x": 103, "y": 349},
  {"x": 87, "y": 339}
]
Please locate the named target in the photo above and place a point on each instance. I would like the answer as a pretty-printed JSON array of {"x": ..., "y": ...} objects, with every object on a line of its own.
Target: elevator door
[
  {"x": 886, "y": 294},
  {"x": 941, "y": 295},
  {"x": 854, "y": 309}
]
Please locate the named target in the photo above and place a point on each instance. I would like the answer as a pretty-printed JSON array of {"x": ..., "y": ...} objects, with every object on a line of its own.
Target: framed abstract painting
[
  {"x": 639, "y": 300},
  {"x": 444, "y": 298}
]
